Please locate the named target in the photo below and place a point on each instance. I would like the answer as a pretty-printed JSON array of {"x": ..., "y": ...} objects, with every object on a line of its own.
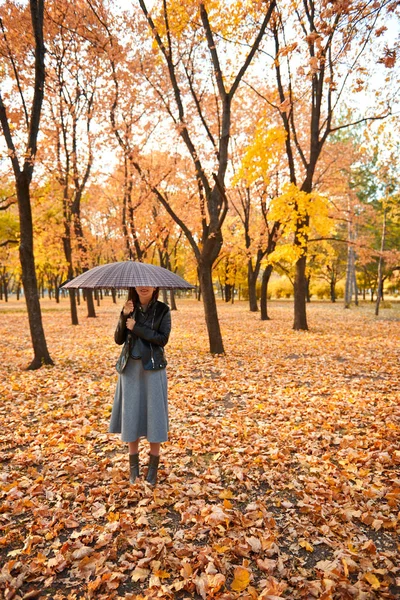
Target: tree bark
[
  {"x": 228, "y": 289},
  {"x": 210, "y": 309},
  {"x": 90, "y": 304},
  {"x": 379, "y": 293},
  {"x": 308, "y": 294},
  {"x": 264, "y": 293},
  {"x": 29, "y": 280},
  {"x": 68, "y": 256},
  {"x": 300, "y": 282},
  {"x": 348, "y": 294},
  {"x": 252, "y": 275},
  {"x": 332, "y": 286},
  {"x": 172, "y": 300}
]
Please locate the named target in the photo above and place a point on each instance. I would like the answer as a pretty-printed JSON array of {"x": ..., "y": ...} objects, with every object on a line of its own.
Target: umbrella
[{"x": 123, "y": 275}]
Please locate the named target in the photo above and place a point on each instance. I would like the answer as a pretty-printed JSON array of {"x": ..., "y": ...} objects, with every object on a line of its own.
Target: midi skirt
[{"x": 140, "y": 407}]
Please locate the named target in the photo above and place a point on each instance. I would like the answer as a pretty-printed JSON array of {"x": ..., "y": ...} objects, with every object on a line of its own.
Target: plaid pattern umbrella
[{"x": 123, "y": 275}]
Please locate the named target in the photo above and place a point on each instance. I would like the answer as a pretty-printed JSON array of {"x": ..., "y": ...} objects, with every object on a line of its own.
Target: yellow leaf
[
  {"x": 226, "y": 494},
  {"x": 372, "y": 580},
  {"x": 351, "y": 548},
  {"x": 306, "y": 545},
  {"x": 241, "y": 579},
  {"x": 220, "y": 548}
]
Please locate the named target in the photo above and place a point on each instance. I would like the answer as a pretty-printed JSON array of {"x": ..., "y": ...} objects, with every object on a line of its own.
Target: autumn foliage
[{"x": 280, "y": 479}]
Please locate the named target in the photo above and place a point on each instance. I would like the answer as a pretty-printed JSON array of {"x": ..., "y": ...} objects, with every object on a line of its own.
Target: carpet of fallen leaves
[{"x": 280, "y": 479}]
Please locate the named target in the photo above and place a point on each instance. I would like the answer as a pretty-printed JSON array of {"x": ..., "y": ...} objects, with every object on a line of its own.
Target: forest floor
[{"x": 281, "y": 477}]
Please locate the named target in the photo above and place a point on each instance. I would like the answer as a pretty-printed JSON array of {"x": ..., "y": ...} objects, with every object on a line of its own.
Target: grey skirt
[{"x": 140, "y": 406}]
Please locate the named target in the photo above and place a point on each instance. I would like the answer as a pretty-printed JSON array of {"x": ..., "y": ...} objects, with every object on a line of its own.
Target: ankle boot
[
  {"x": 133, "y": 467},
  {"x": 151, "y": 476}
]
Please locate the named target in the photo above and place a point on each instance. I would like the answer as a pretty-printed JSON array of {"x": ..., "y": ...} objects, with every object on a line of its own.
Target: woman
[{"x": 140, "y": 406}]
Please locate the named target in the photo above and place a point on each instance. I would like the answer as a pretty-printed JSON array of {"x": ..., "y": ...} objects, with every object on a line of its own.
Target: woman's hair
[{"x": 134, "y": 296}]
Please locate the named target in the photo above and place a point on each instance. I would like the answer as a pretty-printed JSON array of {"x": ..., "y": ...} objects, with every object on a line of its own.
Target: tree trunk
[
  {"x": 308, "y": 295},
  {"x": 68, "y": 256},
  {"x": 379, "y": 293},
  {"x": 332, "y": 290},
  {"x": 355, "y": 287},
  {"x": 56, "y": 292},
  {"x": 348, "y": 294},
  {"x": 264, "y": 293},
  {"x": 210, "y": 309},
  {"x": 90, "y": 304},
  {"x": 252, "y": 283},
  {"x": 29, "y": 281},
  {"x": 73, "y": 307},
  {"x": 172, "y": 300},
  {"x": 300, "y": 283}
]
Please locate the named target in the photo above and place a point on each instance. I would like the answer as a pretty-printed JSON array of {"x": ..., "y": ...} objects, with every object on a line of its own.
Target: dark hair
[{"x": 134, "y": 296}]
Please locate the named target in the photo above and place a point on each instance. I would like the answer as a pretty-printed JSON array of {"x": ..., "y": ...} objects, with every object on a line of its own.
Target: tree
[
  {"x": 180, "y": 36},
  {"x": 328, "y": 264},
  {"x": 256, "y": 183},
  {"x": 320, "y": 50},
  {"x": 74, "y": 75},
  {"x": 23, "y": 159},
  {"x": 375, "y": 184}
]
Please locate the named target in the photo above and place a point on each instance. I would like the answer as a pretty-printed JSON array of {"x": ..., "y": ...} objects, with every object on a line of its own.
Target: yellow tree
[
  {"x": 51, "y": 265},
  {"x": 230, "y": 266},
  {"x": 256, "y": 182}
]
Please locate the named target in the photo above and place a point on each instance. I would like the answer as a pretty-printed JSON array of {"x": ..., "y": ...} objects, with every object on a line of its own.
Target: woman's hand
[
  {"x": 128, "y": 307},
  {"x": 130, "y": 323}
]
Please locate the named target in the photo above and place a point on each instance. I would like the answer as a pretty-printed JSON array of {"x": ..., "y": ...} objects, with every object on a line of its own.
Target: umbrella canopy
[{"x": 123, "y": 275}]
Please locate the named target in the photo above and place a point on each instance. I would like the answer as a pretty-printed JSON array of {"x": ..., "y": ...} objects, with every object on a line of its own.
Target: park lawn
[{"x": 280, "y": 479}]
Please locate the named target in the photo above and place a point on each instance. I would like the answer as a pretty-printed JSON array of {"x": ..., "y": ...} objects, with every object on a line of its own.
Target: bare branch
[
  {"x": 161, "y": 197},
  {"x": 8, "y": 242},
  {"x": 7, "y": 202}
]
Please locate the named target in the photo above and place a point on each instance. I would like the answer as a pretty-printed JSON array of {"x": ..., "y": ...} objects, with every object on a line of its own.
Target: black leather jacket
[{"x": 152, "y": 330}]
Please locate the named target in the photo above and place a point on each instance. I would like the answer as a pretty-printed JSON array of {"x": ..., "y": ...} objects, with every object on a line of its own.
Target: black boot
[
  {"x": 151, "y": 476},
  {"x": 133, "y": 467}
]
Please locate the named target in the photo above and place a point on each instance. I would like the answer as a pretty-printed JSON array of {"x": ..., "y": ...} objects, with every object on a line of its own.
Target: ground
[{"x": 280, "y": 479}]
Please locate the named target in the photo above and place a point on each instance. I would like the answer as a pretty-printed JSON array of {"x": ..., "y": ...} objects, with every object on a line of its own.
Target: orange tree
[
  {"x": 20, "y": 113},
  {"x": 72, "y": 92},
  {"x": 320, "y": 53},
  {"x": 189, "y": 39}
]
